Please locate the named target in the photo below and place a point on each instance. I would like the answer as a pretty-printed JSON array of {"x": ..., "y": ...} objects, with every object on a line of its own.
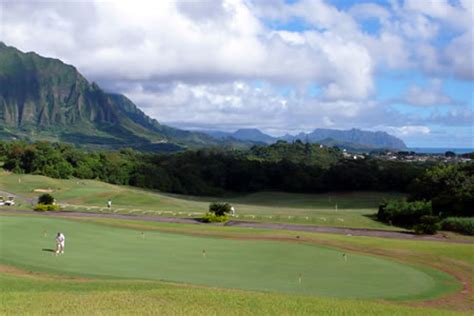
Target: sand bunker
[{"x": 43, "y": 190}]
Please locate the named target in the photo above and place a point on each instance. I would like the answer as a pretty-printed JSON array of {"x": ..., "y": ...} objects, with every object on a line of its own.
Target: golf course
[
  {"x": 128, "y": 265},
  {"x": 264, "y": 265},
  {"x": 336, "y": 209}
]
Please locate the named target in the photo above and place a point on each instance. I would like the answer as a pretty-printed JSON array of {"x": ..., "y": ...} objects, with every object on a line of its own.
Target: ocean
[{"x": 440, "y": 150}]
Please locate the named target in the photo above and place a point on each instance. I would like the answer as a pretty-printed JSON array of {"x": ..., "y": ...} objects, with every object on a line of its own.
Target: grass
[
  {"x": 353, "y": 209},
  {"x": 27, "y": 295},
  {"x": 112, "y": 252},
  {"x": 456, "y": 259},
  {"x": 62, "y": 286}
]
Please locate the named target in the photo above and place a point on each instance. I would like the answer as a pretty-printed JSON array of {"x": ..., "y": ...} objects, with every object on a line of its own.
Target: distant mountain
[
  {"x": 45, "y": 99},
  {"x": 244, "y": 134},
  {"x": 216, "y": 134},
  {"x": 253, "y": 134},
  {"x": 354, "y": 136},
  {"x": 354, "y": 139},
  {"x": 352, "y": 147}
]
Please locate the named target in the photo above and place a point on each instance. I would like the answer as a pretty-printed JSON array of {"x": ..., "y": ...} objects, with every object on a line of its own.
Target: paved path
[
  {"x": 5, "y": 194},
  {"x": 16, "y": 196},
  {"x": 259, "y": 225}
]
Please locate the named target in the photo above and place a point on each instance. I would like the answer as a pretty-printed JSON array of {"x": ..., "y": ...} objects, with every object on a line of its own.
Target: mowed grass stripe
[{"x": 98, "y": 251}]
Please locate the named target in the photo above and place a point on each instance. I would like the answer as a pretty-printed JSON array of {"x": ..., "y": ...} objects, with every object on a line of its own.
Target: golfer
[
  {"x": 109, "y": 203},
  {"x": 60, "y": 239}
]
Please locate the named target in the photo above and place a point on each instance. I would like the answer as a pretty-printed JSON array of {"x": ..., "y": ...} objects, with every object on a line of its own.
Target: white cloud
[
  {"x": 460, "y": 55},
  {"x": 159, "y": 40},
  {"x": 455, "y": 15},
  {"x": 221, "y": 63},
  {"x": 408, "y": 130},
  {"x": 327, "y": 122},
  {"x": 419, "y": 27},
  {"x": 431, "y": 95},
  {"x": 461, "y": 116},
  {"x": 227, "y": 40},
  {"x": 369, "y": 10},
  {"x": 229, "y": 106}
]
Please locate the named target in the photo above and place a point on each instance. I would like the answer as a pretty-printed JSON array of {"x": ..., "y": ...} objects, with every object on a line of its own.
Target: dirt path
[{"x": 259, "y": 225}]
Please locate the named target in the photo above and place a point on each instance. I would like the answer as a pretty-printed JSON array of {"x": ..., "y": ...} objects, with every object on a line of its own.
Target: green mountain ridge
[{"x": 46, "y": 99}]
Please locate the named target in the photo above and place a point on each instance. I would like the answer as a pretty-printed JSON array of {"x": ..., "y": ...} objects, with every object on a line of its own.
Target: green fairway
[
  {"x": 351, "y": 209},
  {"x": 93, "y": 250}
]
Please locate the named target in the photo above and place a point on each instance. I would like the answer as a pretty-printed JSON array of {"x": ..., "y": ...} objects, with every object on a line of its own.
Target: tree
[
  {"x": 46, "y": 199},
  {"x": 220, "y": 209},
  {"x": 449, "y": 187}
]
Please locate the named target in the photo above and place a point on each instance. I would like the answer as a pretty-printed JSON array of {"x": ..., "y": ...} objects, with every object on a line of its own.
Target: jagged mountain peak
[{"x": 44, "y": 98}]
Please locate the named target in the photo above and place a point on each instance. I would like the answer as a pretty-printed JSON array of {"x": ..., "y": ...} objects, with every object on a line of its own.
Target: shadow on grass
[
  {"x": 373, "y": 217},
  {"x": 396, "y": 228},
  {"x": 48, "y": 250}
]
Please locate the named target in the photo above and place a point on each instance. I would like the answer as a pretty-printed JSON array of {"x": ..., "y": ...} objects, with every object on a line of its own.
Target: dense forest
[{"x": 290, "y": 167}]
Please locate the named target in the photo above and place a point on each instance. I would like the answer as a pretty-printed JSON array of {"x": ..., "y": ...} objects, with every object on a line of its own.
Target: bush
[
  {"x": 220, "y": 209},
  {"x": 213, "y": 218},
  {"x": 40, "y": 207},
  {"x": 403, "y": 213},
  {"x": 46, "y": 199},
  {"x": 463, "y": 225},
  {"x": 428, "y": 225}
]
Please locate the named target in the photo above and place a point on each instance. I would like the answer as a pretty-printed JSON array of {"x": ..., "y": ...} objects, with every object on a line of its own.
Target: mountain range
[
  {"x": 350, "y": 139},
  {"x": 46, "y": 99}
]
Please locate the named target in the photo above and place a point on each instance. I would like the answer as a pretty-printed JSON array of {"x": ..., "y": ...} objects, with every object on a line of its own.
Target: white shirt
[{"x": 60, "y": 239}]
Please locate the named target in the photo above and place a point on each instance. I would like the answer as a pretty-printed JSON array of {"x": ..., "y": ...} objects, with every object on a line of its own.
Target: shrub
[
  {"x": 403, "y": 213},
  {"x": 428, "y": 225},
  {"x": 40, "y": 207},
  {"x": 213, "y": 218},
  {"x": 463, "y": 225},
  {"x": 220, "y": 209},
  {"x": 46, "y": 199}
]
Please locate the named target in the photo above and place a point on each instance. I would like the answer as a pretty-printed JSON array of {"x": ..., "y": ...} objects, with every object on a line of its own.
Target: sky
[{"x": 400, "y": 66}]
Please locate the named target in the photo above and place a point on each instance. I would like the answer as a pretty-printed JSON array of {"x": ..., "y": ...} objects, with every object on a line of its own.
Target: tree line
[{"x": 288, "y": 167}]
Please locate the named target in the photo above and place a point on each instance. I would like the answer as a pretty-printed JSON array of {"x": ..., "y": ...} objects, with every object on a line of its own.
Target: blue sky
[{"x": 401, "y": 66}]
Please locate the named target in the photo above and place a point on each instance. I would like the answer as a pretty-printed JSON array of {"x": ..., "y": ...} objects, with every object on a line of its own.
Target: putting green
[{"x": 94, "y": 250}]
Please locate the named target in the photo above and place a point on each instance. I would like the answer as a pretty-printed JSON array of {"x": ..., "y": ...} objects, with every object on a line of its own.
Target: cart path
[
  {"x": 258, "y": 225},
  {"x": 27, "y": 200}
]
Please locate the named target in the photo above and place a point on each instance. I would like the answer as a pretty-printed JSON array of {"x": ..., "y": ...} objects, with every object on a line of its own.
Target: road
[{"x": 258, "y": 225}]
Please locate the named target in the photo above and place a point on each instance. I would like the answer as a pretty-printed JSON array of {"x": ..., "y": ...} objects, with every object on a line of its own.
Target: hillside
[{"x": 45, "y": 99}]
